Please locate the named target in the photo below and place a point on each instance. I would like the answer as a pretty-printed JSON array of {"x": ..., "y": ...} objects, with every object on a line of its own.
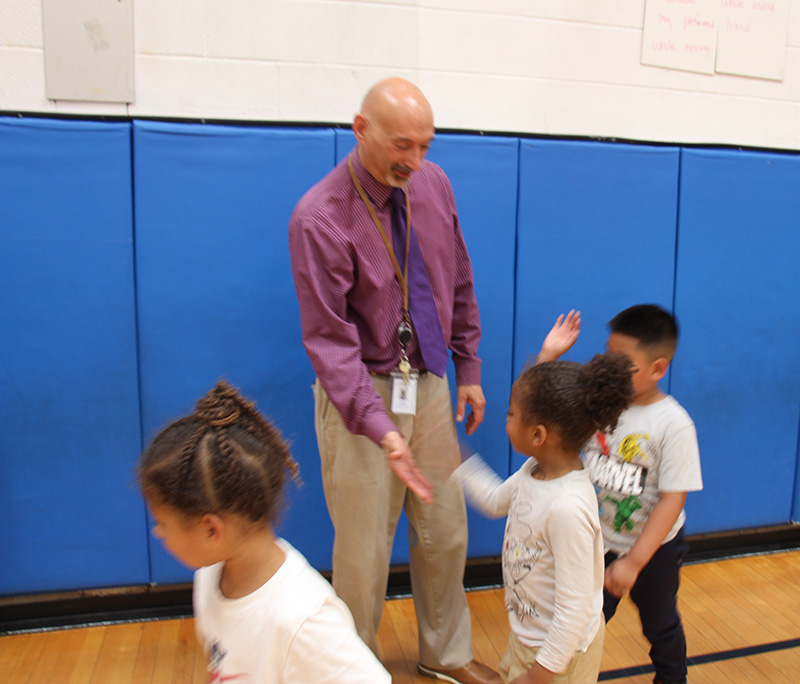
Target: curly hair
[
  {"x": 223, "y": 458},
  {"x": 575, "y": 399}
]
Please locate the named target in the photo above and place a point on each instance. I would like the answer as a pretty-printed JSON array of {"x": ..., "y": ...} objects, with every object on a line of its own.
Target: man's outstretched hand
[{"x": 402, "y": 464}]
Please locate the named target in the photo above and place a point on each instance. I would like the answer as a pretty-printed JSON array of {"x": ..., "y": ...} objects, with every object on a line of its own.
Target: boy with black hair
[{"x": 642, "y": 472}]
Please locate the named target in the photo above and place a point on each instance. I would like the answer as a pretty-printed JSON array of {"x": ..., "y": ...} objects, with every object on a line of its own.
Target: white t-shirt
[
  {"x": 290, "y": 630},
  {"x": 552, "y": 556},
  {"x": 653, "y": 449}
]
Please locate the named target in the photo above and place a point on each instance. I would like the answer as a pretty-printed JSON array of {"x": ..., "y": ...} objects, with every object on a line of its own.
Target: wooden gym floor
[{"x": 741, "y": 615}]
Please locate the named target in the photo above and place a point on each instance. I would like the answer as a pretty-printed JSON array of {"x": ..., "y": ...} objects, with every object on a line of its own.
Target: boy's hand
[
  {"x": 622, "y": 573},
  {"x": 621, "y": 576},
  {"x": 561, "y": 336}
]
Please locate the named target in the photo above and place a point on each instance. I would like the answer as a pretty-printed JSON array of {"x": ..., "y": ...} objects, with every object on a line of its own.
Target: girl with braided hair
[
  {"x": 213, "y": 483},
  {"x": 553, "y": 546}
]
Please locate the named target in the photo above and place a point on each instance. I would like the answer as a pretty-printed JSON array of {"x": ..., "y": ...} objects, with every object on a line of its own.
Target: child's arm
[
  {"x": 561, "y": 337},
  {"x": 484, "y": 489},
  {"x": 622, "y": 573}
]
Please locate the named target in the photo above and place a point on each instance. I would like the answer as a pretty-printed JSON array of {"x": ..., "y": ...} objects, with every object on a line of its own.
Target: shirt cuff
[
  {"x": 378, "y": 426},
  {"x": 468, "y": 372}
]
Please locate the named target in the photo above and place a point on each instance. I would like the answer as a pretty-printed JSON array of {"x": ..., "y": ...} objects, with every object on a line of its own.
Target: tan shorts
[{"x": 582, "y": 669}]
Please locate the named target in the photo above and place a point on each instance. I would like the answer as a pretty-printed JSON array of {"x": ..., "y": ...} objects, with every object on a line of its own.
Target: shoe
[{"x": 471, "y": 673}]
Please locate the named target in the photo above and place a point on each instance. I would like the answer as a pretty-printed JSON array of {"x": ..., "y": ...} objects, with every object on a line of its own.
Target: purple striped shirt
[{"x": 350, "y": 299}]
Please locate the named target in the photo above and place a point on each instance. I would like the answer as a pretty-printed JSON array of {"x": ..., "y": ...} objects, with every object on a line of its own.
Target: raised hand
[{"x": 561, "y": 336}]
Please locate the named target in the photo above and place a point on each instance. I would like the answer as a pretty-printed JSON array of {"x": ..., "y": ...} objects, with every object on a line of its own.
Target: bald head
[
  {"x": 394, "y": 130},
  {"x": 396, "y": 97}
]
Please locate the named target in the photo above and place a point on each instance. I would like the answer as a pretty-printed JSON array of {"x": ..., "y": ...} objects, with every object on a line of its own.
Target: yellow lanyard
[{"x": 402, "y": 276}]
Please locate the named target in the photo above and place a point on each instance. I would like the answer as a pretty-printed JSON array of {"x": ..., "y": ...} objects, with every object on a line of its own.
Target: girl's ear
[
  {"x": 538, "y": 435},
  {"x": 214, "y": 529}
]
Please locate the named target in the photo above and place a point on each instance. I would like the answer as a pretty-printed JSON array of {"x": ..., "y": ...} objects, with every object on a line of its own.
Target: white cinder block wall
[{"x": 553, "y": 67}]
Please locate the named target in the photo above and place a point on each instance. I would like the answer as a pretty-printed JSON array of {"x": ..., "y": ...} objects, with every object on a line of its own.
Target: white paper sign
[
  {"x": 681, "y": 34},
  {"x": 752, "y": 38}
]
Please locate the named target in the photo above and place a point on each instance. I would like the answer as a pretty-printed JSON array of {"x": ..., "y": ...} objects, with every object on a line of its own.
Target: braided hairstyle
[
  {"x": 575, "y": 399},
  {"x": 223, "y": 458}
]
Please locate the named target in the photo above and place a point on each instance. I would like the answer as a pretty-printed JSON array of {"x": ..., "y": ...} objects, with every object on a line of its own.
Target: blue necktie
[{"x": 420, "y": 297}]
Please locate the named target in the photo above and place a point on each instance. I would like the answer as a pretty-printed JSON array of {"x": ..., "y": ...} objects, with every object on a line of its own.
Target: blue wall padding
[
  {"x": 125, "y": 295},
  {"x": 596, "y": 229},
  {"x": 596, "y": 233},
  {"x": 483, "y": 173},
  {"x": 737, "y": 299},
  {"x": 796, "y": 499},
  {"x": 215, "y": 290},
  {"x": 68, "y": 380}
]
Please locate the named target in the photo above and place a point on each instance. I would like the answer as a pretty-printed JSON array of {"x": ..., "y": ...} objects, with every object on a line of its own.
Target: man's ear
[
  {"x": 538, "y": 435},
  {"x": 360, "y": 124}
]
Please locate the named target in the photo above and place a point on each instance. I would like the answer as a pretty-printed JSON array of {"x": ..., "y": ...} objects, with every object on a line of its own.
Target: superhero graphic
[
  {"x": 619, "y": 479},
  {"x": 625, "y": 509},
  {"x": 630, "y": 448}
]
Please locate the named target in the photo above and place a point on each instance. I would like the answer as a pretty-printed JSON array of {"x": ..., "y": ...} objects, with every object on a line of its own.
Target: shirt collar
[{"x": 378, "y": 192}]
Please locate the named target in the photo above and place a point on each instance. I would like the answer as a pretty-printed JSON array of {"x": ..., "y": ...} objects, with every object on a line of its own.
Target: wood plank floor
[{"x": 742, "y": 620}]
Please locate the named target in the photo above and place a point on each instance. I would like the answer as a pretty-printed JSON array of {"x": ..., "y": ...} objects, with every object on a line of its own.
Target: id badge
[{"x": 404, "y": 393}]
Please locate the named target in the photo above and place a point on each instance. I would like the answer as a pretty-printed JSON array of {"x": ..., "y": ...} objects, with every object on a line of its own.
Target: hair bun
[{"x": 220, "y": 407}]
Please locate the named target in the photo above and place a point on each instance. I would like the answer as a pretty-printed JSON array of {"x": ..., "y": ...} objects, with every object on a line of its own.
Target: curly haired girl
[{"x": 553, "y": 546}]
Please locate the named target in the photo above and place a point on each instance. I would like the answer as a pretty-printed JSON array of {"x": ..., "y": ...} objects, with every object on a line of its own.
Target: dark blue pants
[{"x": 655, "y": 594}]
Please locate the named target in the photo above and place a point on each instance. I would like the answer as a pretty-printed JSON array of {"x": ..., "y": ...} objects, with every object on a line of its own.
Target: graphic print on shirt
[
  {"x": 631, "y": 448},
  {"x": 518, "y": 561},
  {"x": 216, "y": 654},
  {"x": 625, "y": 509},
  {"x": 619, "y": 478}
]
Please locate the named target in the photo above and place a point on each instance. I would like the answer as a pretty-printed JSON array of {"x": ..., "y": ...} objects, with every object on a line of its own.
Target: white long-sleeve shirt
[{"x": 552, "y": 556}]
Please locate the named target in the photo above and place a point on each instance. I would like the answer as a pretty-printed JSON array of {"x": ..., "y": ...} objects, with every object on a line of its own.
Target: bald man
[{"x": 384, "y": 418}]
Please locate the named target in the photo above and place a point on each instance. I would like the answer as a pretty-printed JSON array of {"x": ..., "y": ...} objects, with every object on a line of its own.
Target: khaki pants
[
  {"x": 582, "y": 669},
  {"x": 364, "y": 502}
]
